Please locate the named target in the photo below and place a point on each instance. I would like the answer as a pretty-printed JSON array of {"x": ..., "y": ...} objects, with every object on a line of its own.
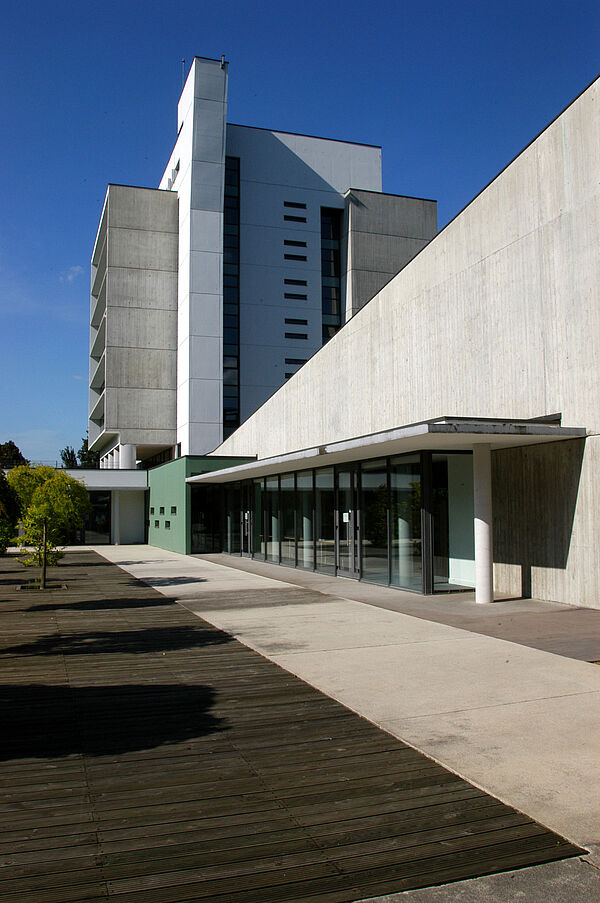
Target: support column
[
  {"x": 127, "y": 457},
  {"x": 482, "y": 485},
  {"x": 115, "y": 518}
]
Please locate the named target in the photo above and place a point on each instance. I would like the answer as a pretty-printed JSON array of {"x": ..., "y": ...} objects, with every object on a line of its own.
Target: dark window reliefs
[
  {"x": 292, "y": 321},
  {"x": 231, "y": 298},
  {"x": 296, "y": 335},
  {"x": 330, "y": 271},
  {"x": 295, "y": 205},
  {"x": 294, "y": 256}
]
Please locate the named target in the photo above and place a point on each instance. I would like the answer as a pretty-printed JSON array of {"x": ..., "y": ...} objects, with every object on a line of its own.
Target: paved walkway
[
  {"x": 519, "y": 722},
  {"x": 562, "y": 629}
]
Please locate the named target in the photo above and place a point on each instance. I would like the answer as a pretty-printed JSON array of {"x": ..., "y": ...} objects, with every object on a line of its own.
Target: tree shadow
[
  {"x": 107, "y": 604},
  {"x": 171, "y": 581},
  {"x": 129, "y": 642},
  {"x": 46, "y": 721}
]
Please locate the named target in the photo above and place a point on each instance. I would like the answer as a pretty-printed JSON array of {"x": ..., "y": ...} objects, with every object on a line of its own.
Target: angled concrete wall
[
  {"x": 382, "y": 233},
  {"x": 497, "y": 317}
]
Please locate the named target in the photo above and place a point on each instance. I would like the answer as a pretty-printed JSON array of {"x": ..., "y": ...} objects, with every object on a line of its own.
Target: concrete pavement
[{"x": 519, "y": 722}]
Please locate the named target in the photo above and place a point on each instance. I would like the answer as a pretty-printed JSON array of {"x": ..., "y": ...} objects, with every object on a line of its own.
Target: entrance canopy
[{"x": 443, "y": 433}]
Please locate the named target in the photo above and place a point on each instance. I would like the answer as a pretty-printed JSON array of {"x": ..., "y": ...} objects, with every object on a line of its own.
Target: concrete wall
[
  {"x": 133, "y": 344},
  {"x": 382, "y": 233},
  {"x": 131, "y": 517},
  {"x": 497, "y": 317},
  {"x": 196, "y": 171}
]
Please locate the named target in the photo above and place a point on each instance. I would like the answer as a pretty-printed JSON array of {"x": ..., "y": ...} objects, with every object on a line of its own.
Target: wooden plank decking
[{"x": 147, "y": 756}]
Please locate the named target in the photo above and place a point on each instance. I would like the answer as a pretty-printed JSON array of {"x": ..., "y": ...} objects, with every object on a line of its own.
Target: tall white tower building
[{"x": 212, "y": 290}]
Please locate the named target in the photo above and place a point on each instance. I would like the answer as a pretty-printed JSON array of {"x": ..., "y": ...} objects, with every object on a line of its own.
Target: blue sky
[{"x": 451, "y": 90}]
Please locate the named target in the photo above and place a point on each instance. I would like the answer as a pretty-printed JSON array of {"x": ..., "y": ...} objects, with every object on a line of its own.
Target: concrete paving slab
[
  {"x": 542, "y": 754},
  {"x": 563, "y": 629},
  {"x": 572, "y": 881},
  {"x": 519, "y": 722}
]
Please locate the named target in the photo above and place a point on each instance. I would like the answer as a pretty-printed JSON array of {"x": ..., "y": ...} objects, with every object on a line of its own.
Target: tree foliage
[
  {"x": 11, "y": 455},
  {"x": 24, "y": 480},
  {"x": 9, "y": 512},
  {"x": 68, "y": 457},
  {"x": 87, "y": 458},
  {"x": 51, "y": 505}
]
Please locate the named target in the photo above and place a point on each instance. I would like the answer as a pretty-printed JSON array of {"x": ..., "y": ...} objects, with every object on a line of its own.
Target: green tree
[
  {"x": 52, "y": 504},
  {"x": 68, "y": 456},
  {"x": 88, "y": 459},
  {"x": 24, "y": 480},
  {"x": 9, "y": 512},
  {"x": 10, "y": 455}
]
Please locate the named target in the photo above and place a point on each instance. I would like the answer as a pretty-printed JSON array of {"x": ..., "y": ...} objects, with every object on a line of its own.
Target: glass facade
[
  {"x": 406, "y": 508},
  {"x": 404, "y": 521},
  {"x": 374, "y": 526},
  {"x": 330, "y": 271}
]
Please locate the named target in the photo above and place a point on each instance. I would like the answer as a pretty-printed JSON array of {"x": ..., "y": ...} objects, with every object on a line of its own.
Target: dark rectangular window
[
  {"x": 288, "y": 375},
  {"x": 294, "y": 244},
  {"x": 294, "y": 282},
  {"x": 173, "y": 509},
  {"x": 231, "y": 297},
  {"x": 294, "y": 256},
  {"x": 330, "y": 272},
  {"x": 293, "y": 219},
  {"x": 291, "y": 296},
  {"x": 293, "y": 321},
  {"x": 167, "y": 525},
  {"x": 295, "y": 204},
  {"x": 295, "y": 360},
  {"x": 156, "y": 524},
  {"x": 161, "y": 510},
  {"x": 296, "y": 335},
  {"x": 151, "y": 510}
]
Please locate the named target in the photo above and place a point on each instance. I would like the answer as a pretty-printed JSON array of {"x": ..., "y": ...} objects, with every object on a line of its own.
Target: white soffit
[{"x": 443, "y": 434}]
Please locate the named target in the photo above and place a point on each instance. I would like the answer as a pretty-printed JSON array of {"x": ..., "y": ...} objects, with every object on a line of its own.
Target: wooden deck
[{"x": 148, "y": 757}]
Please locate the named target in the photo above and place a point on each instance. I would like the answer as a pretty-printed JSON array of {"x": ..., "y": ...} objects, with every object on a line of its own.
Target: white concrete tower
[{"x": 196, "y": 170}]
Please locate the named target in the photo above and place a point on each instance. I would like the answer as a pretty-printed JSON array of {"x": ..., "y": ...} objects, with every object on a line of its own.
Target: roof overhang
[{"x": 441, "y": 434}]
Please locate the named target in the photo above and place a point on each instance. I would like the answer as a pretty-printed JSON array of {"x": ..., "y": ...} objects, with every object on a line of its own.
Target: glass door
[
  {"x": 246, "y": 521},
  {"x": 347, "y": 522}
]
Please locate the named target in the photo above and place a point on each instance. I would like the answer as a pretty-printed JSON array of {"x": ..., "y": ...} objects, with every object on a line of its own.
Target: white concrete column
[
  {"x": 115, "y": 518},
  {"x": 482, "y": 485},
  {"x": 127, "y": 457}
]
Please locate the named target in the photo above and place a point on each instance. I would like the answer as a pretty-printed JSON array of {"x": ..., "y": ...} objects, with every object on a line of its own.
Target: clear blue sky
[{"x": 451, "y": 90}]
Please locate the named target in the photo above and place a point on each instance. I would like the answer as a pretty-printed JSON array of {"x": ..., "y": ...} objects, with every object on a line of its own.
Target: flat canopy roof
[{"x": 441, "y": 434}]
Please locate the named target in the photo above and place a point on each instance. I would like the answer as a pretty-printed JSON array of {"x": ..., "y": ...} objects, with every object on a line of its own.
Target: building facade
[
  {"x": 211, "y": 291},
  {"x": 439, "y": 431},
  {"x": 462, "y": 449}
]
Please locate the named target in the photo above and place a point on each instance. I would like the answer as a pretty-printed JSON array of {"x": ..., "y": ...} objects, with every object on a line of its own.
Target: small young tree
[
  {"x": 52, "y": 504},
  {"x": 68, "y": 457}
]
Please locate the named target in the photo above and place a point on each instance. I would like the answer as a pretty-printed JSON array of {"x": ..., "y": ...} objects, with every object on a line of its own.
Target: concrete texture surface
[
  {"x": 571, "y": 881},
  {"x": 518, "y": 722},
  {"x": 551, "y": 626}
]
